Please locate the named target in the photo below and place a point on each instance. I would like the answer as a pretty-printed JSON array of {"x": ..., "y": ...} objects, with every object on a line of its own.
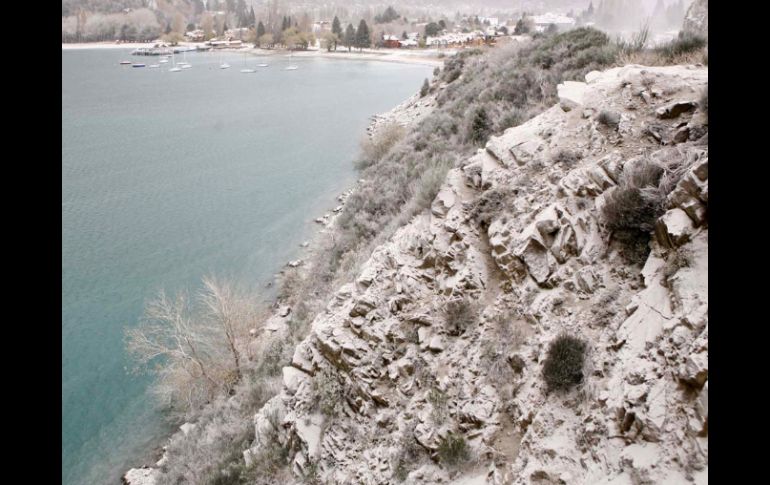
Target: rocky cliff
[
  {"x": 696, "y": 20},
  {"x": 389, "y": 381}
]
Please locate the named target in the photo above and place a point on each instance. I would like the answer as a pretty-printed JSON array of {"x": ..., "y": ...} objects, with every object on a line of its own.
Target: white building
[
  {"x": 560, "y": 21},
  {"x": 493, "y": 21}
]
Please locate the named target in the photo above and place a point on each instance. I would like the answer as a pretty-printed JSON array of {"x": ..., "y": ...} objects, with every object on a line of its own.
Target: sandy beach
[{"x": 430, "y": 57}]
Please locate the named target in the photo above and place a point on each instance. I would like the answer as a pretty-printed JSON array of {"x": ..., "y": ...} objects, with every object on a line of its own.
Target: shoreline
[
  {"x": 428, "y": 57},
  {"x": 144, "y": 473}
]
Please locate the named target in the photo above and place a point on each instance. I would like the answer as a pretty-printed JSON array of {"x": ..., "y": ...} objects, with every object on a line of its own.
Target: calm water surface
[{"x": 167, "y": 177}]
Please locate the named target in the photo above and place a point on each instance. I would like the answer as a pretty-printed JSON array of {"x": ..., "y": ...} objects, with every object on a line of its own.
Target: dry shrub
[
  {"x": 459, "y": 315},
  {"x": 374, "y": 148},
  {"x": 563, "y": 366},
  {"x": 631, "y": 208}
]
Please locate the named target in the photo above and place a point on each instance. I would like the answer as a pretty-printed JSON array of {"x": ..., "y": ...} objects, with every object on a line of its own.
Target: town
[{"x": 233, "y": 25}]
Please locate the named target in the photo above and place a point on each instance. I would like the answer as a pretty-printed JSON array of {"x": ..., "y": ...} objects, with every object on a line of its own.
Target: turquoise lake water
[{"x": 167, "y": 177}]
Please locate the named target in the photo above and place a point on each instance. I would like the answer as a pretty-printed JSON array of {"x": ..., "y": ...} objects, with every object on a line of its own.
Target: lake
[{"x": 167, "y": 177}]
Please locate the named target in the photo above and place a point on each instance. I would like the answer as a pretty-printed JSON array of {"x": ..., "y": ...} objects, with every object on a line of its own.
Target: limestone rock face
[
  {"x": 696, "y": 20},
  {"x": 140, "y": 476},
  {"x": 403, "y": 382}
]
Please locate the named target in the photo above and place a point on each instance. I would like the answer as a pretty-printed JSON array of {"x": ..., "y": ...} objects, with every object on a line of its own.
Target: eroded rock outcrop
[{"x": 404, "y": 381}]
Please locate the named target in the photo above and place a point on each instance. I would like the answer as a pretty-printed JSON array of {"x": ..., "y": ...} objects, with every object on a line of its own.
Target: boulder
[
  {"x": 140, "y": 476},
  {"x": 674, "y": 109},
  {"x": 674, "y": 228},
  {"x": 695, "y": 370},
  {"x": 571, "y": 94}
]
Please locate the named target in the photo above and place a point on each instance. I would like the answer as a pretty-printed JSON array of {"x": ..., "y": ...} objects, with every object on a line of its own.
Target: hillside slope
[{"x": 389, "y": 385}]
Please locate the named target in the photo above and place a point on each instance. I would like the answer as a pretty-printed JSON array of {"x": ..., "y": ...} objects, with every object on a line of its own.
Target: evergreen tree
[
  {"x": 253, "y": 19},
  {"x": 480, "y": 127},
  {"x": 260, "y": 29},
  {"x": 362, "y": 35},
  {"x": 241, "y": 13},
  {"x": 425, "y": 88},
  {"x": 404, "y": 36},
  {"x": 350, "y": 36},
  {"x": 389, "y": 15},
  {"x": 432, "y": 29},
  {"x": 337, "y": 31}
]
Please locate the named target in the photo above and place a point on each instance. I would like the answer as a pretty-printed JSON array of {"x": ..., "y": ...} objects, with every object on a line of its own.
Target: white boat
[
  {"x": 124, "y": 63},
  {"x": 163, "y": 61},
  {"x": 245, "y": 69},
  {"x": 224, "y": 65},
  {"x": 291, "y": 68},
  {"x": 184, "y": 64},
  {"x": 174, "y": 69},
  {"x": 261, "y": 65},
  {"x": 154, "y": 65}
]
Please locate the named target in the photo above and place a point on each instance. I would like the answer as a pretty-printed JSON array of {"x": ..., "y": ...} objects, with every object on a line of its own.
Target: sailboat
[
  {"x": 291, "y": 67},
  {"x": 223, "y": 65},
  {"x": 246, "y": 70},
  {"x": 174, "y": 69},
  {"x": 184, "y": 64},
  {"x": 163, "y": 60}
]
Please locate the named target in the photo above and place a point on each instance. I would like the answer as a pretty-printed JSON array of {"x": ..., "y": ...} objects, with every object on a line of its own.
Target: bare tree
[
  {"x": 231, "y": 311},
  {"x": 193, "y": 345}
]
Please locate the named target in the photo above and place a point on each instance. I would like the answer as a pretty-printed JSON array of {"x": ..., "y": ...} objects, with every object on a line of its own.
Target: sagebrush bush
[
  {"x": 563, "y": 366},
  {"x": 684, "y": 43},
  {"x": 566, "y": 157},
  {"x": 453, "y": 450},
  {"x": 407, "y": 457},
  {"x": 373, "y": 149},
  {"x": 492, "y": 203},
  {"x": 439, "y": 404},
  {"x": 631, "y": 208},
  {"x": 425, "y": 88},
  {"x": 212, "y": 451},
  {"x": 329, "y": 392},
  {"x": 514, "y": 117},
  {"x": 459, "y": 315},
  {"x": 608, "y": 118}
]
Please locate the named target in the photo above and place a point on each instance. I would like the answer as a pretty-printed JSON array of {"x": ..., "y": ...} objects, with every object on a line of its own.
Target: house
[
  {"x": 391, "y": 41},
  {"x": 195, "y": 36},
  {"x": 406, "y": 43},
  {"x": 321, "y": 26},
  {"x": 222, "y": 44},
  {"x": 456, "y": 39},
  {"x": 236, "y": 33},
  {"x": 562, "y": 22}
]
